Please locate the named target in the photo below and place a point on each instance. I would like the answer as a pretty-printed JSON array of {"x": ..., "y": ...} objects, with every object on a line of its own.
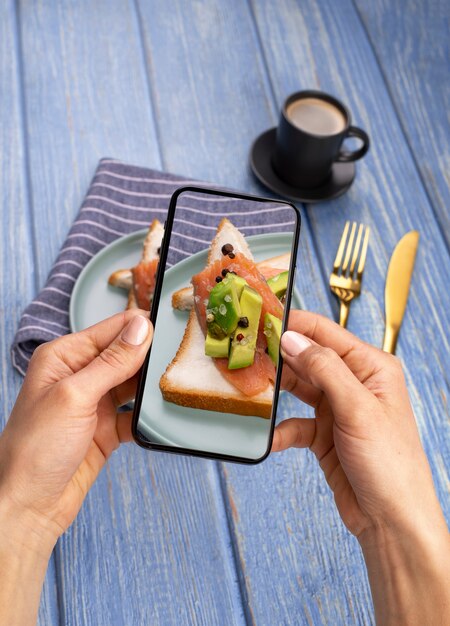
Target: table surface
[{"x": 186, "y": 87}]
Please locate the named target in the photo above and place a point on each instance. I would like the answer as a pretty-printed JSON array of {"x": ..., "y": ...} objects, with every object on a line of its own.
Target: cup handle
[{"x": 345, "y": 155}]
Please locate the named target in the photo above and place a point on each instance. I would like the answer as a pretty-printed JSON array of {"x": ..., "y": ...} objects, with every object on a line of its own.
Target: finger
[
  {"x": 332, "y": 469},
  {"x": 306, "y": 393},
  {"x": 78, "y": 349},
  {"x": 89, "y": 469},
  {"x": 296, "y": 432},
  {"x": 125, "y": 392},
  {"x": 324, "y": 369},
  {"x": 123, "y": 426},
  {"x": 362, "y": 358},
  {"x": 323, "y": 331},
  {"x": 117, "y": 362}
]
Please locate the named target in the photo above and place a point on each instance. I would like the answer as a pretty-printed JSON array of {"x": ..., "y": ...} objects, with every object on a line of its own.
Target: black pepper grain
[
  {"x": 227, "y": 248},
  {"x": 225, "y": 272},
  {"x": 243, "y": 322},
  {"x": 231, "y": 255},
  {"x": 219, "y": 279}
]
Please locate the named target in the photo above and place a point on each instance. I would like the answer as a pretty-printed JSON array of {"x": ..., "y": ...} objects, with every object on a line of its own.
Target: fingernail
[
  {"x": 293, "y": 343},
  {"x": 136, "y": 331}
]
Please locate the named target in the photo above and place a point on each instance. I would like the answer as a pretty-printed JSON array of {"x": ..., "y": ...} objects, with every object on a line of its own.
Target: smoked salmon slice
[
  {"x": 144, "y": 275},
  {"x": 255, "y": 378}
]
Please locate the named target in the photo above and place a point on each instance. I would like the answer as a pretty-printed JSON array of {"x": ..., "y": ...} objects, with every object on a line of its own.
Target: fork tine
[
  {"x": 349, "y": 249},
  {"x": 340, "y": 252},
  {"x": 356, "y": 249},
  {"x": 362, "y": 259}
]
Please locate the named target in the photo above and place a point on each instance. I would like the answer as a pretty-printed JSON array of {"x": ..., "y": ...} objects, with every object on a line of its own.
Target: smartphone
[{"x": 210, "y": 383}]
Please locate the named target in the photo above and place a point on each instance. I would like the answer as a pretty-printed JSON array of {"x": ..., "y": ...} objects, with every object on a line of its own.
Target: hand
[
  {"x": 365, "y": 438},
  {"x": 63, "y": 428},
  {"x": 65, "y": 423}
]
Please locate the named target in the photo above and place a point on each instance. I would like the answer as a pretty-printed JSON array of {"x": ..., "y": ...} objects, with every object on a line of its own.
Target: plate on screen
[{"x": 93, "y": 299}]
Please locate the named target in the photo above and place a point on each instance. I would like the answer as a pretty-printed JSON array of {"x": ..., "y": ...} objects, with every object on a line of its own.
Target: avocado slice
[
  {"x": 223, "y": 311},
  {"x": 243, "y": 345},
  {"x": 272, "y": 331},
  {"x": 238, "y": 281},
  {"x": 217, "y": 348},
  {"x": 278, "y": 284}
]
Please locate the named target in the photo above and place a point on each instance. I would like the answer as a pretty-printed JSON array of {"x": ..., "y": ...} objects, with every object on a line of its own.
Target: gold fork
[{"x": 344, "y": 283}]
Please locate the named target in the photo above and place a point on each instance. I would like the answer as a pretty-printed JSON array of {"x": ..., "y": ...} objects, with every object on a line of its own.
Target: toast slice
[
  {"x": 192, "y": 379},
  {"x": 125, "y": 279},
  {"x": 183, "y": 299}
]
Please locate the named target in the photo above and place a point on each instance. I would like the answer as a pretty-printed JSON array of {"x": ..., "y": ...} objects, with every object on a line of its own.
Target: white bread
[
  {"x": 228, "y": 233},
  {"x": 152, "y": 242},
  {"x": 280, "y": 262},
  {"x": 122, "y": 279},
  {"x": 150, "y": 251},
  {"x": 192, "y": 379},
  {"x": 131, "y": 302},
  {"x": 183, "y": 299}
]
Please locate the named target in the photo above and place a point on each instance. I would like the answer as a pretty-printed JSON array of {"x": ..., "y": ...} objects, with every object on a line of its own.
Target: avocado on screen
[
  {"x": 278, "y": 284},
  {"x": 217, "y": 348},
  {"x": 223, "y": 311},
  {"x": 243, "y": 345},
  {"x": 238, "y": 281},
  {"x": 272, "y": 331}
]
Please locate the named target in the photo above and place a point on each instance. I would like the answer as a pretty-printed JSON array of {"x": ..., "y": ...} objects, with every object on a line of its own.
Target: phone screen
[{"x": 210, "y": 383}]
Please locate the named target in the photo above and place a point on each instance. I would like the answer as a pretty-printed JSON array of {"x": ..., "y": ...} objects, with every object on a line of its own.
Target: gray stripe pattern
[{"x": 121, "y": 199}]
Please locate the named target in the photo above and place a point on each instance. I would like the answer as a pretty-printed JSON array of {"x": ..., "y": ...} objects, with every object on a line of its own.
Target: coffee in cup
[
  {"x": 313, "y": 126},
  {"x": 316, "y": 116}
]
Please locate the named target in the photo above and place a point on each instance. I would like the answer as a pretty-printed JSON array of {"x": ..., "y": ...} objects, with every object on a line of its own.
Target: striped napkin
[{"x": 121, "y": 199}]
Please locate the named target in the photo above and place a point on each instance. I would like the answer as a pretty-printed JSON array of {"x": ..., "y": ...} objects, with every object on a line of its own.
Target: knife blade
[{"x": 398, "y": 280}]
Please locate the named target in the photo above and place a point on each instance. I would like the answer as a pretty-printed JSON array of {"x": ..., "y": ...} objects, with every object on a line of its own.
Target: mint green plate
[{"x": 162, "y": 422}]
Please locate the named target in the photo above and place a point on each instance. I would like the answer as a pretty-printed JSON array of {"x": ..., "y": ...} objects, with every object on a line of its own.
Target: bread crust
[
  {"x": 131, "y": 303},
  {"x": 122, "y": 279},
  {"x": 210, "y": 402},
  {"x": 183, "y": 299}
]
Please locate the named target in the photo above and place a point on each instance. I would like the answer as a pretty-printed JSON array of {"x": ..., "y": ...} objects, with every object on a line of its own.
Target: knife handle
[{"x": 390, "y": 339}]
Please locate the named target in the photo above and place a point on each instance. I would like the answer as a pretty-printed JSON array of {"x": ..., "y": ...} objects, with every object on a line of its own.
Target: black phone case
[{"x": 139, "y": 439}]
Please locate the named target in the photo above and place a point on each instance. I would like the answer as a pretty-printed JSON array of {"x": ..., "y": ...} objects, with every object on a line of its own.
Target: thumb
[
  {"x": 323, "y": 368},
  {"x": 117, "y": 362}
]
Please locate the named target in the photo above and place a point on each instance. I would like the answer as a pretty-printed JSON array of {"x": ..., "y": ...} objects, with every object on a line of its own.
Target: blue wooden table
[{"x": 186, "y": 86}]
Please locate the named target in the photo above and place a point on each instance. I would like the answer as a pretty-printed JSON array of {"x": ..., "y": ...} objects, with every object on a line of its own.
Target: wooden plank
[
  {"x": 324, "y": 45},
  {"x": 87, "y": 99},
  {"x": 221, "y": 164},
  {"x": 388, "y": 195},
  {"x": 411, "y": 43},
  {"x": 17, "y": 283},
  {"x": 321, "y": 568},
  {"x": 211, "y": 104},
  {"x": 151, "y": 543},
  {"x": 149, "y": 547}
]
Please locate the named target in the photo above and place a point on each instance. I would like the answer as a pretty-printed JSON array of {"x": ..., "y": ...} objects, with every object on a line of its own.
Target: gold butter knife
[{"x": 398, "y": 280}]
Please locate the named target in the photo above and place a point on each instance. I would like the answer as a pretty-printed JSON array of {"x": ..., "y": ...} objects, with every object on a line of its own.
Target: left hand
[{"x": 65, "y": 423}]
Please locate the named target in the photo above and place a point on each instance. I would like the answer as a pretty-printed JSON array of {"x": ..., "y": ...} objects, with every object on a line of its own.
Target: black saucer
[{"x": 342, "y": 174}]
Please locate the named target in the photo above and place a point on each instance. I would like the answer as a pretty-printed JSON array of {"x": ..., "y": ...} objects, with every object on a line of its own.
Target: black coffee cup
[{"x": 313, "y": 126}]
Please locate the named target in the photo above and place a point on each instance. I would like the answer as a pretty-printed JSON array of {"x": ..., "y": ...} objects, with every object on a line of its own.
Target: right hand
[{"x": 364, "y": 434}]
